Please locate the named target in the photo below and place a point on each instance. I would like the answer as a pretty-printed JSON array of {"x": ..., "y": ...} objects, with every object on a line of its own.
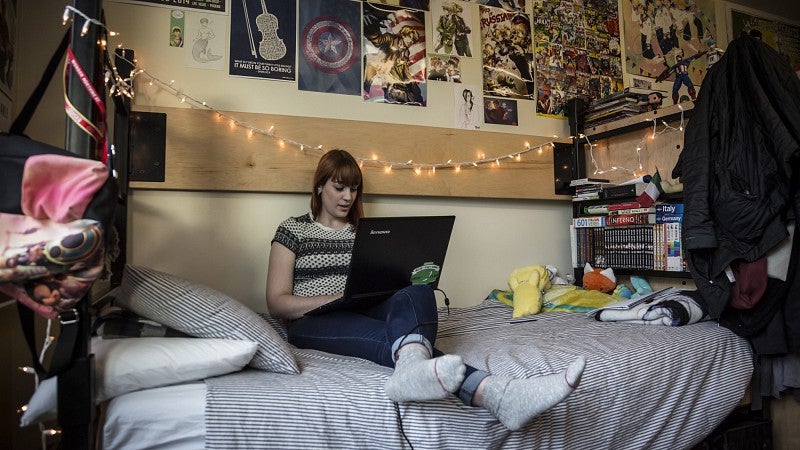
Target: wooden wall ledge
[{"x": 205, "y": 152}]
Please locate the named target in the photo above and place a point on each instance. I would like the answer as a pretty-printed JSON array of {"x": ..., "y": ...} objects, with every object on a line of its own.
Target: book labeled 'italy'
[{"x": 669, "y": 208}]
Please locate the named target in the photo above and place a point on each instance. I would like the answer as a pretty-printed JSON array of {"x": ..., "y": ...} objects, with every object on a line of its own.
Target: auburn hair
[{"x": 339, "y": 166}]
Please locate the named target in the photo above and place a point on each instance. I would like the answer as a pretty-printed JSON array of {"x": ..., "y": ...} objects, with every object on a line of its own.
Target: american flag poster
[
  {"x": 394, "y": 55},
  {"x": 329, "y": 46}
]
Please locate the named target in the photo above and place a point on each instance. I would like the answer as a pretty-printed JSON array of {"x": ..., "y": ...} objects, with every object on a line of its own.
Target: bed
[{"x": 644, "y": 386}]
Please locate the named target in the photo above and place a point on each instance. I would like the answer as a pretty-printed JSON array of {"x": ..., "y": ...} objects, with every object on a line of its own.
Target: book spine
[
  {"x": 621, "y": 206},
  {"x": 624, "y": 190},
  {"x": 669, "y": 208},
  {"x": 589, "y": 222},
  {"x": 674, "y": 253},
  {"x": 573, "y": 245},
  {"x": 632, "y": 211},
  {"x": 629, "y": 219},
  {"x": 669, "y": 218}
]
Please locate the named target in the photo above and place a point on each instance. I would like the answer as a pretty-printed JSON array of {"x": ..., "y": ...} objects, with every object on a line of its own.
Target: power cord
[
  {"x": 446, "y": 300},
  {"x": 400, "y": 423},
  {"x": 397, "y": 405}
]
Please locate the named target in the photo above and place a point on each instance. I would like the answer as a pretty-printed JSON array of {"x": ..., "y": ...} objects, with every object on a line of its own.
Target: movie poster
[
  {"x": 500, "y": 111},
  {"x": 263, "y": 37},
  {"x": 394, "y": 55},
  {"x": 329, "y": 47},
  {"x": 452, "y": 29},
  {"x": 660, "y": 36},
  {"x": 577, "y": 52},
  {"x": 507, "y": 57},
  {"x": 784, "y": 38}
]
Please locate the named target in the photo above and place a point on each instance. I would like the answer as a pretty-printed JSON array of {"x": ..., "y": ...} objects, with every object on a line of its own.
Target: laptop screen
[{"x": 390, "y": 253}]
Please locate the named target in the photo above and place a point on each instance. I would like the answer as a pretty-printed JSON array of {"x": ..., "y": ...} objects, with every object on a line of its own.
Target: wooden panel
[
  {"x": 659, "y": 150},
  {"x": 208, "y": 152}
]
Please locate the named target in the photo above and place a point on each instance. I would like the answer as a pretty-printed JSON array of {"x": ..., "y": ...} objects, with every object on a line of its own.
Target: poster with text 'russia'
[{"x": 263, "y": 39}]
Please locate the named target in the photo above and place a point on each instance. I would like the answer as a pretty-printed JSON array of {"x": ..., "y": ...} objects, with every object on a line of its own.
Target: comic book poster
[
  {"x": 510, "y": 5},
  {"x": 444, "y": 68},
  {"x": 669, "y": 41},
  {"x": 507, "y": 56},
  {"x": 422, "y": 5},
  {"x": 577, "y": 52},
  {"x": 329, "y": 46},
  {"x": 263, "y": 39},
  {"x": 500, "y": 111},
  {"x": 394, "y": 55},
  {"x": 784, "y": 38},
  {"x": 452, "y": 29}
]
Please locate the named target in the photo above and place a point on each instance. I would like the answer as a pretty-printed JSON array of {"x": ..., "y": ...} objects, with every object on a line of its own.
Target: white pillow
[
  {"x": 200, "y": 311},
  {"x": 126, "y": 365}
]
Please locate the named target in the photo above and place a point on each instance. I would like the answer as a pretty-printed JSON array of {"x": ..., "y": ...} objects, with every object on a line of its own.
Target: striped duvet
[{"x": 645, "y": 387}]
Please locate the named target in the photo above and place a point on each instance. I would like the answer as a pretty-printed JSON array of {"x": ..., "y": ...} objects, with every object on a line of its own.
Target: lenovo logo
[{"x": 379, "y": 231}]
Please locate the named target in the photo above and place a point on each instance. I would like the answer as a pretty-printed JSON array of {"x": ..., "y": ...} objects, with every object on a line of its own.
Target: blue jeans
[{"x": 375, "y": 332}]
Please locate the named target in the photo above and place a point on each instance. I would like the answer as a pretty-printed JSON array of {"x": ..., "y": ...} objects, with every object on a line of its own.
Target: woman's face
[{"x": 337, "y": 199}]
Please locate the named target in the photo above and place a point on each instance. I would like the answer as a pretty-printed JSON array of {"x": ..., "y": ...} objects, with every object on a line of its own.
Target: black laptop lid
[{"x": 389, "y": 251}]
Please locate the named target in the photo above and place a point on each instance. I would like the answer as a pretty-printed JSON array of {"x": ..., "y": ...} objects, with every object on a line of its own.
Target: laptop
[{"x": 390, "y": 253}]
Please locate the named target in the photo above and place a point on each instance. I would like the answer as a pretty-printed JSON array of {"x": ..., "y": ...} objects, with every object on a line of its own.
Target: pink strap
[{"x": 59, "y": 188}]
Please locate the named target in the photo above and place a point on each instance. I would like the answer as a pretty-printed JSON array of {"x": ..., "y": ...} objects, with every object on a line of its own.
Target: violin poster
[{"x": 263, "y": 43}]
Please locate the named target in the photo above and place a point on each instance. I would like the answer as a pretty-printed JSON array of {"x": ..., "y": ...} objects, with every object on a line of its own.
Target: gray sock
[
  {"x": 515, "y": 402},
  {"x": 417, "y": 377}
]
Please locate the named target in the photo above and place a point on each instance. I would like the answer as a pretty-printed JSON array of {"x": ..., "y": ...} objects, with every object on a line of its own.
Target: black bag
[{"x": 15, "y": 151}]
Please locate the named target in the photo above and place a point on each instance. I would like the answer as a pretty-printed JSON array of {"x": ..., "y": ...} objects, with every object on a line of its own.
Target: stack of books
[
  {"x": 625, "y": 103},
  {"x": 588, "y": 188}
]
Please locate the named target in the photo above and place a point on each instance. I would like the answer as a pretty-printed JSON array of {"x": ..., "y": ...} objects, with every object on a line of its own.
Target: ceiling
[{"x": 787, "y": 9}]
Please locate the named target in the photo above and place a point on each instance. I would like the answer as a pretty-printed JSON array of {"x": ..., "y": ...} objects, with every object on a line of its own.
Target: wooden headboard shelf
[{"x": 207, "y": 152}]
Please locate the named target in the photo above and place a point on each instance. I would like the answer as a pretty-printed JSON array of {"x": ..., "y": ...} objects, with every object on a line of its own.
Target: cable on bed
[
  {"x": 446, "y": 300},
  {"x": 414, "y": 328}
]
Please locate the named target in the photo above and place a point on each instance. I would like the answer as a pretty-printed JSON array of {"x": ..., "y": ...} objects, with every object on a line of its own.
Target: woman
[{"x": 308, "y": 265}]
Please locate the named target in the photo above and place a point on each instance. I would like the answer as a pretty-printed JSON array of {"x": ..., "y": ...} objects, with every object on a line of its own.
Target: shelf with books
[
  {"x": 639, "y": 121},
  {"x": 627, "y": 237}
]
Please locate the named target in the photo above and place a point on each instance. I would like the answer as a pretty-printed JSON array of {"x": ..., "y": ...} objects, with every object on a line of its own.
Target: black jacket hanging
[{"x": 737, "y": 165}]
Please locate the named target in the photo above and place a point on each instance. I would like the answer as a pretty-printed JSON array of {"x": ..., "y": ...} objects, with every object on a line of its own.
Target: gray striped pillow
[{"x": 200, "y": 311}]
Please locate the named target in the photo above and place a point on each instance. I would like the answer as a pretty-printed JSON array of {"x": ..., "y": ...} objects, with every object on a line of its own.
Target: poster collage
[{"x": 533, "y": 55}]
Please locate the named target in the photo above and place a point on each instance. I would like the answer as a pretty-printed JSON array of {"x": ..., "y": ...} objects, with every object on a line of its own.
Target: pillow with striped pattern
[{"x": 200, "y": 311}]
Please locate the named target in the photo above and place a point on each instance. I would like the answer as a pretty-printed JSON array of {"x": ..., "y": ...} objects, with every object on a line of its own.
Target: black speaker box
[{"x": 147, "y": 143}]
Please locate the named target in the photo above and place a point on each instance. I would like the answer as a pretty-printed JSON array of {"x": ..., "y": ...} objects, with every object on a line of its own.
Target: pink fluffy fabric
[{"x": 59, "y": 188}]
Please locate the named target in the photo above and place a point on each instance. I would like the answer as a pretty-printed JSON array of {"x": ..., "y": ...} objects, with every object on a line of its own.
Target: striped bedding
[{"x": 645, "y": 387}]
